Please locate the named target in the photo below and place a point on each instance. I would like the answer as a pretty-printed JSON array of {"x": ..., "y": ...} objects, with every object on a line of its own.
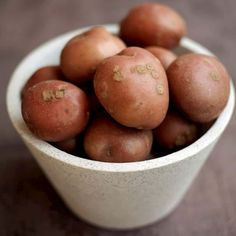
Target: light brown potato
[
  {"x": 55, "y": 110},
  {"x": 175, "y": 132},
  {"x": 133, "y": 88},
  {"x": 165, "y": 56},
  {"x": 152, "y": 24},
  {"x": 84, "y": 52},
  {"x": 105, "y": 140},
  {"x": 44, "y": 74},
  {"x": 199, "y": 86}
]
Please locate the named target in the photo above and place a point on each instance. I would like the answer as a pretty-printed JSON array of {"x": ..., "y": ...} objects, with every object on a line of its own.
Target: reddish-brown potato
[
  {"x": 199, "y": 85},
  {"x": 165, "y": 56},
  {"x": 175, "y": 132},
  {"x": 152, "y": 24},
  {"x": 43, "y": 74},
  {"x": 68, "y": 145},
  {"x": 55, "y": 110},
  {"x": 84, "y": 52},
  {"x": 132, "y": 87},
  {"x": 105, "y": 140}
]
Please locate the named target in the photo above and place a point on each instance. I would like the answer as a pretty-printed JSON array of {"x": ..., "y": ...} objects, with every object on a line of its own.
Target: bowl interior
[{"x": 48, "y": 54}]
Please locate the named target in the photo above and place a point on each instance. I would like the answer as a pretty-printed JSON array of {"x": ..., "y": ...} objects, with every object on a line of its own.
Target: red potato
[
  {"x": 133, "y": 88},
  {"x": 152, "y": 24},
  {"x": 84, "y": 52},
  {"x": 199, "y": 86},
  {"x": 68, "y": 145},
  {"x": 105, "y": 140},
  {"x": 44, "y": 74},
  {"x": 175, "y": 132},
  {"x": 55, "y": 110},
  {"x": 165, "y": 56}
]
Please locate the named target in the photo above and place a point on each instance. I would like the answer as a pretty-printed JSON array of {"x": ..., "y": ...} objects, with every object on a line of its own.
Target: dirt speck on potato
[
  {"x": 206, "y": 62},
  {"x": 138, "y": 105},
  {"x": 180, "y": 140},
  {"x": 160, "y": 89},
  {"x": 184, "y": 137},
  {"x": 154, "y": 74},
  {"x": 50, "y": 95},
  {"x": 214, "y": 76},
  {"x": 111, "y": 111},
  {"x": 108, "y": 152},
  {"x": 60, "y": 93},
  {"x": 104, "y": 93},
  {"x": 117, "y": 75},
  {"x": 149, "y": 67},
  {"x": 140, "y": 69},
  {"x": 145, "y": 69}
]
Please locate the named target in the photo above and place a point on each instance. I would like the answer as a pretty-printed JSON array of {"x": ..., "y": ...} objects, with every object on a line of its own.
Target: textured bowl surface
[{"x": 113, "y": 195}]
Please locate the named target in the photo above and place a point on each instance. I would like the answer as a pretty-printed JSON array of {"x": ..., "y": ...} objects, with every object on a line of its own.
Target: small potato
[
  {"x": 43, "y": 74},
  {"x": 165, "y": 56},
  {"x": 175, "y": 132},
  {"x": 84, "y": 52},
  {"x": 68, "y": 145},
  {"x": 55, "y": 110},
  {"x": 105, "y": 140},
  {"x": 199, "y": 86},
  {"x": 152, "y": 24},
  {"x": 132, "y": 87}
]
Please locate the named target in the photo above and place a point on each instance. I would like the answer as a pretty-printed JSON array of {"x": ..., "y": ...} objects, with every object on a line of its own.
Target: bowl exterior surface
[{"x": 121, "y": 200}]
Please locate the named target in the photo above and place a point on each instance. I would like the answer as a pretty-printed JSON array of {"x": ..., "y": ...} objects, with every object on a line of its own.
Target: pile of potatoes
[{"x": 119, "y": 98}]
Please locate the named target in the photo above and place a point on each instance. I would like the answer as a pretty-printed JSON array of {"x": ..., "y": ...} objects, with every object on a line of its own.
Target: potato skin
[
  {"x": 82, "y": 54},
  {"x": 165, "y": 56},
  {"x": 152, "y": 24},
  {"x": 105, "y": 140},
  {"x": 199, "y": 86},
  {"x": 68, "y": 145},
  {"x": 55, "y": 110},
  {"x": 43, "y": 74},
  {"x": 132, "y": 86},
  {"x": 175, "y": 132}
]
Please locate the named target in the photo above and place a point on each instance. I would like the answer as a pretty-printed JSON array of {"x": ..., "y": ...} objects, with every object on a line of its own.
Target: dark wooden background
[{"x": 28, "y": 204}]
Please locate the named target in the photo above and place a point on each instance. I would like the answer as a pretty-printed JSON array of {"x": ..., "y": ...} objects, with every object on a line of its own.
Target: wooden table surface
[{"x": 28, "y": 203}]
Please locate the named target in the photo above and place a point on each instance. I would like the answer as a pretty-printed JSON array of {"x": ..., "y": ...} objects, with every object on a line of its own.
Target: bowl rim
[{"x": 207, "y": 139}]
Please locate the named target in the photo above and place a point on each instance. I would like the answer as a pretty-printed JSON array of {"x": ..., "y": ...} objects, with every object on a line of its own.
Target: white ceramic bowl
[{"x": 113, "y": 195}]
